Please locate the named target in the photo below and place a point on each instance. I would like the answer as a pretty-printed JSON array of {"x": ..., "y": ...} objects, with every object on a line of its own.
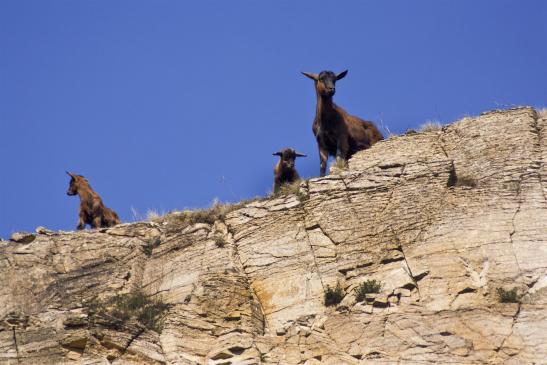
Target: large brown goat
[
  {"x": 92, "y": 209},
  {"x": 284, "y": 171},
  {"x": 338, "y": 133}
]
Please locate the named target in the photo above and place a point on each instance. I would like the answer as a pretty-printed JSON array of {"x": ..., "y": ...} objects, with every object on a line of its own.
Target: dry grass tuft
[
  {"x": 431, "y": 126},
  {"x": 387, "y": 132},
  {"x": 217, "y": 212},
  {"x": 292, "y": 189},
  {"x": 340, "y": 164},
  {"x": 287, "y": 189},
  {"x": 153, "y": 215}
]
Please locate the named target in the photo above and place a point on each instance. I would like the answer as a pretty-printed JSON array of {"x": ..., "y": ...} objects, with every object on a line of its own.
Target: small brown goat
[
  {"x": 92, "y": 209},
  {"x": 338, "y": 133},
  {"x": 284, "y": 171}
]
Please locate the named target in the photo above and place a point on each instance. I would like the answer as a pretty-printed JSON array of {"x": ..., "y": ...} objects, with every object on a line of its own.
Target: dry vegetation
[
  {"x": 217, "y": 212},
  {"x": 430, "y": 126},
  {"x": 340, "y": 164},
  {"x": 333, "y": 296},
  {"x": 367, "y": 287},
  {"x": 220, "y": 241},
  {"x": 153, "y": 215},
  {"x": 507, "y": 296},
  {"x": 466, "y": 180},
  {"x": 124, "y": 308},
  {"x": 287, "y": 189},
  {"x": 292, "y": 189}
]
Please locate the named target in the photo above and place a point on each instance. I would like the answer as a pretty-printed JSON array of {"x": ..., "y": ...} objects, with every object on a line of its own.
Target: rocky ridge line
[{"x": 442, "y": 219}]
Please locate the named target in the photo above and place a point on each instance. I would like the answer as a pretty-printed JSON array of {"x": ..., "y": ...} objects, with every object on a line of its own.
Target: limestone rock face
[{"x": 442, "y": 219}]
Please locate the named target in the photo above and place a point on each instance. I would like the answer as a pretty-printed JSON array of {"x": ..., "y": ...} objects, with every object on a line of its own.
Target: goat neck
[
  {"x": 87, "y": 195},
  {"x": 286, "y": 174},
  {"x": 325, "y": 106}
]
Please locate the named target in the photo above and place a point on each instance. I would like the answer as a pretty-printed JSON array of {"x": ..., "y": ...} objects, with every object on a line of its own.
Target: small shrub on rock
[
  {"x": 220, "y": 241},
  {"x": 333, "y": 296},
  {"x": 367, "y": 287},
  {"x": 302, "y": 196},
  {"x": 466, "y": 180},
  {"x": 132, "y": 306},
  {"x": 507, "y": 296}
]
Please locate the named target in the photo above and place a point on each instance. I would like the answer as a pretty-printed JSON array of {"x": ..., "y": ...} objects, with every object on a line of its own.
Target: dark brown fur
[
  {"x": 338, "y": 133},
  {"x": 284, "y": 171},
  {"x": 92, "y": 209}
]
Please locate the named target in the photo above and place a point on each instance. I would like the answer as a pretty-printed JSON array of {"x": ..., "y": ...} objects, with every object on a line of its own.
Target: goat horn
[
  {"x": 69, "y": 174},
  {"x": 311, "y": 75},
  {"x": 341, "y": 75}
]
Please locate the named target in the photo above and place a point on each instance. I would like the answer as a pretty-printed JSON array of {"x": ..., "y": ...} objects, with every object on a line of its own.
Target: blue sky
[{"x": 169, "y": 104}]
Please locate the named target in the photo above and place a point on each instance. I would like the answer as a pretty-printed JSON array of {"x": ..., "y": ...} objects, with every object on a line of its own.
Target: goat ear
[
  {"x": 341, "y": 75},
  {"x": 297, "y": 154},
  {"x": 312, "y": 76},
  {"x": 277, "y": 154}
]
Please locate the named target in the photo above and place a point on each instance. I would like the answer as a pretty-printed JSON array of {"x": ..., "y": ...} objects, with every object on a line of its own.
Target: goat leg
[
  {"x": 342, "y": 149},
  {"x": 97, "y": 222},
  {"x": 276, "y": 186},
  {"x": 323, "y": 157},
  {"x": 81, "y": 222}
]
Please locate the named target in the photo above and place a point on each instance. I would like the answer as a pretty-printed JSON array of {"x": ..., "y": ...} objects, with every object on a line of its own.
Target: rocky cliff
[{"x": 442, "y": 219}]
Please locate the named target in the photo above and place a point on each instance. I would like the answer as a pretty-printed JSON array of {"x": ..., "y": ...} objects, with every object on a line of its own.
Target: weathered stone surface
[
  {"x": 22, "y": 237},
  {"x": 442, "y": 219}
]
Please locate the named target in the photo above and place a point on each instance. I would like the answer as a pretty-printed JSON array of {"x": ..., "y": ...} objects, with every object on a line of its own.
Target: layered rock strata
[{"x": 442, "y": 219}]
